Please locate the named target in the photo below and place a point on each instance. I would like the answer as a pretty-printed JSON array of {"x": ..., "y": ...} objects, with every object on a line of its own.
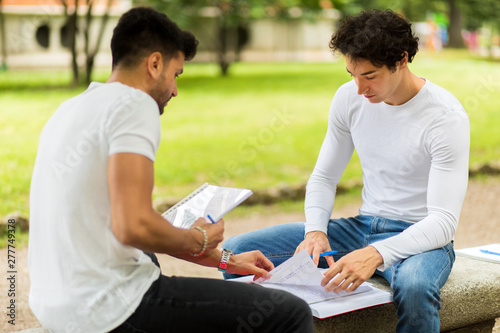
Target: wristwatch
[{"x": 224, "y": 259}]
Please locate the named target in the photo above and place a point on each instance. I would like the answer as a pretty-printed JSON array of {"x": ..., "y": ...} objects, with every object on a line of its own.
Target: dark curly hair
[
  {"x": 380, "y": 36},
  {"x": 142, "y": 31}
]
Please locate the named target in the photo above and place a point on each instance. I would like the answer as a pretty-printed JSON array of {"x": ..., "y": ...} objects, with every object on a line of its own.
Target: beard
[{"x": 161, "y": 96}]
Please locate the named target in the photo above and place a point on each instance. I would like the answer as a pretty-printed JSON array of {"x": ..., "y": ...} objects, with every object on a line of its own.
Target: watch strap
[{"x": 224, "y": 259}]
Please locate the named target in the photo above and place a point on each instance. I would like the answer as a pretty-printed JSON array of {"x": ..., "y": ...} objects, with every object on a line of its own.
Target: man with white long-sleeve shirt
[{"x": 412, "y": 139}]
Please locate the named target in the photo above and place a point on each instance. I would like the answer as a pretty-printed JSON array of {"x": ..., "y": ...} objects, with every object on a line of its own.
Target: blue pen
[
  {"x": 490, "y": 252},
  {"x": 327, "y": 253},
  {"x": 211, "y": 219}
]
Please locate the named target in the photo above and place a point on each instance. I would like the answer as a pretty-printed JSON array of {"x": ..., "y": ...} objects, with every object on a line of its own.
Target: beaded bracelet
[{"x": 205, "y": 242}]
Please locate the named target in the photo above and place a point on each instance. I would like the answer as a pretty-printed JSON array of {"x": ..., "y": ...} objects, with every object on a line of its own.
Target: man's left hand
[{"x": 350, "y": 271}]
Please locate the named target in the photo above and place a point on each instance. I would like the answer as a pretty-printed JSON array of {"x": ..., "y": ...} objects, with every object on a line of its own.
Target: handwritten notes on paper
[{"x": 300, "y": 276}]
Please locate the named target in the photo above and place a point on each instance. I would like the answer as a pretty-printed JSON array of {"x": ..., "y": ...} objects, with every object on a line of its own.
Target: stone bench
[{"x": 470, "y": 302}]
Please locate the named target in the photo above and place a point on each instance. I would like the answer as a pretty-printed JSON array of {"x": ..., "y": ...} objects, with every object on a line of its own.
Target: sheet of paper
[
  {"x": 476, "y": 253},
  {"x": 298, "y": 270},
  {"x": 207, "y": 200},
  {"x": 300, "y": 276}
]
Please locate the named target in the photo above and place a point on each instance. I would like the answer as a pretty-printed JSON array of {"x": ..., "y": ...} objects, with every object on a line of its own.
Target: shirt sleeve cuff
[
  {"x": 386, "y": 257},
  {"x": 317, "y": 220}
]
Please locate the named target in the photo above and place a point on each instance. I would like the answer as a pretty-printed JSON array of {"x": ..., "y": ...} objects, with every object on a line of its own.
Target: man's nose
[{"x": 361, "y": 88}]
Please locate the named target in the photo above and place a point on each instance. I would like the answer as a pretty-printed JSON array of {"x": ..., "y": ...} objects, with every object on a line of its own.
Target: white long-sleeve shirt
[{"x": 414, "y": 159}]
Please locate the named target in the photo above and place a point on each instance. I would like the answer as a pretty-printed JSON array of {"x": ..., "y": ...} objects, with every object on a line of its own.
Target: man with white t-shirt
[
  {"x": 93, "y": 229},
  {"x": 412, "y": 139}
]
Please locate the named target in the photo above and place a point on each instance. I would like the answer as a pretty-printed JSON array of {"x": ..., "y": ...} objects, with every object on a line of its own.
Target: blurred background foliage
[
  {"x": 262, "y": 125},
  {"x": 454, "y": 15}
]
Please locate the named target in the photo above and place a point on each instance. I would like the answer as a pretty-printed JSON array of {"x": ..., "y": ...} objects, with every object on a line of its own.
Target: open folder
[
  {"x": 300, "y": 276},
  {"x": 207, "y": 200}
]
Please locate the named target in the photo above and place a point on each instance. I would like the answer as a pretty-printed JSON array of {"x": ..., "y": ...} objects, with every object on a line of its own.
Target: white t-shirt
[
  {"x": 414, "y": 159},
  {"x": 82, "y": 278}
]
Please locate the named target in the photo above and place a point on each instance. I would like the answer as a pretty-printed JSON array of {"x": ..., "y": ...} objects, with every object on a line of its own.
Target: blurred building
[
  {"x": 37, "y": 35},
  {"x": 37, "y": 31},
  {"x": 270, "y": 39}
]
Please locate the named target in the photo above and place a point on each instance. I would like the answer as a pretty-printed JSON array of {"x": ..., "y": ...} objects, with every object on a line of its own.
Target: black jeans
[{"x": 181, "y": 304}]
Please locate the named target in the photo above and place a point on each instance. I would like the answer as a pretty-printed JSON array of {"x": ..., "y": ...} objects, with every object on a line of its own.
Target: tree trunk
[
  {"x": 90, "y": 56},
  {"x": 228, "y": 47},
  {"x": 456, "y": 24},
  {"x": 72, "y": 28},
  {"x": 71, "y": 25},
  {"x": 4, "y": 38},
  {"x": 86, "y": 31},
  {"x": 222, "y": 50}
]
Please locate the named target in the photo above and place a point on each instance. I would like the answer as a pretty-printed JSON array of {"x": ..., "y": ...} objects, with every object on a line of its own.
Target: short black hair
[
  {"x": 380, "y": 36},
  {"x": 142, "y": 31}
]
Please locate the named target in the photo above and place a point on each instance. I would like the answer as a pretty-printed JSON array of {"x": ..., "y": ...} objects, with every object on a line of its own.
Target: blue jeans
[{"x": 415, "y": 281}]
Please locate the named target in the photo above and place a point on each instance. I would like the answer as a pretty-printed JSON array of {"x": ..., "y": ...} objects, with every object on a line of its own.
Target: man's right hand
[
  {"x": 316, "y": 242},
  {"x": 215, "y": 234}
]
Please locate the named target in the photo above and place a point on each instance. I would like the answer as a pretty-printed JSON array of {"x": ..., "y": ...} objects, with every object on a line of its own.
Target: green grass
[
  {"x": 262, "y": 126},
  {"x": 250, "y": 129},
  {"x": 19, "y": 242},
  {"x": 352, "y": 196}
]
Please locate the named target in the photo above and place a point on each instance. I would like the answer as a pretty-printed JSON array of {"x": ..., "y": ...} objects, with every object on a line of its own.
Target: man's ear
[
  {"x": 404, "y": 61},
  {"x": 155, "y": 64}
]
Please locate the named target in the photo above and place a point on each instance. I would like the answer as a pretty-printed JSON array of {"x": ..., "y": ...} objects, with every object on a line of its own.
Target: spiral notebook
[{"x": 206, "y": 200}]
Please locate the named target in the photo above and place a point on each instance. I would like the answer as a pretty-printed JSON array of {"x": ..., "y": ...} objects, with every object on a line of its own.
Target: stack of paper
[
  {"x": 300, "y": 276},
  {"x": 351, "y": 302}
]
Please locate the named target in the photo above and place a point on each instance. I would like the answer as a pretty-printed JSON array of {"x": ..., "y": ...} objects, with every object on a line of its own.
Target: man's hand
[
  {"x": 247, "y": 263},
  {"x": 316, "y": 242},
  {"x": 349, "y": 272},
  {"x": 215, "y": 233}
]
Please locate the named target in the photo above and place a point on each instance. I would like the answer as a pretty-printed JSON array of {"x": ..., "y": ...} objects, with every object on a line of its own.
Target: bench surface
[{"x": 470, "y": 300}]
